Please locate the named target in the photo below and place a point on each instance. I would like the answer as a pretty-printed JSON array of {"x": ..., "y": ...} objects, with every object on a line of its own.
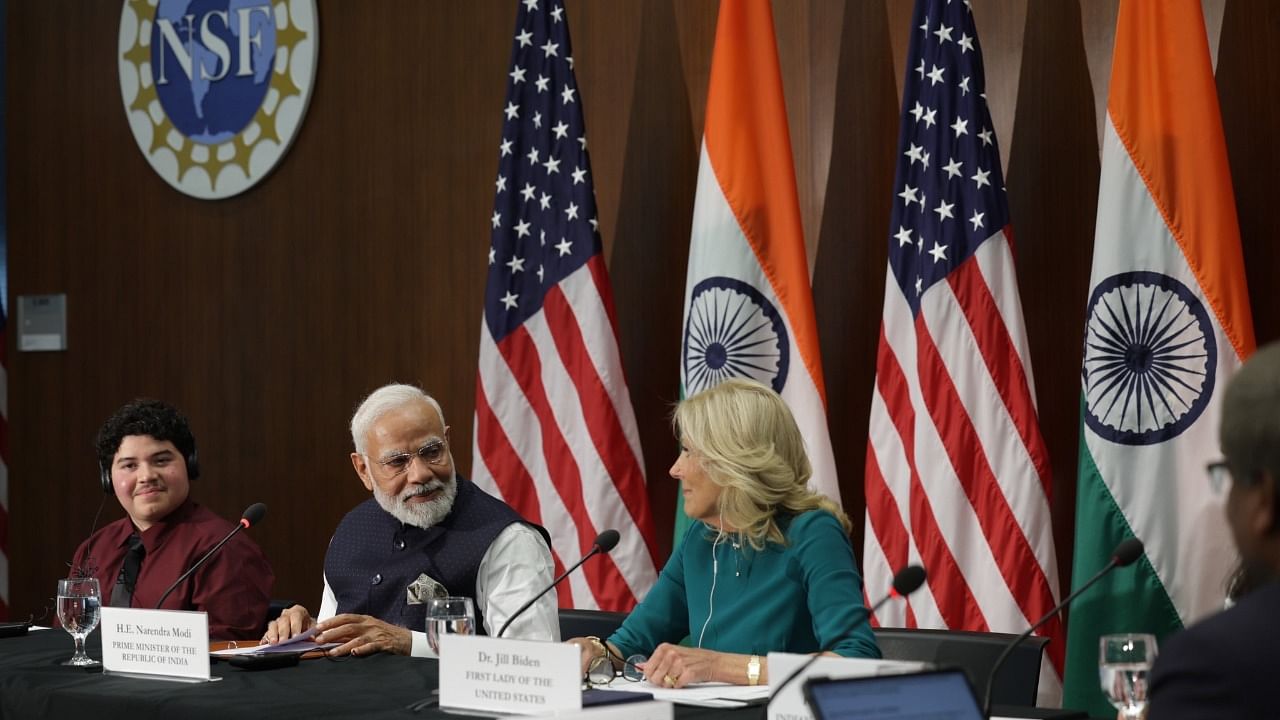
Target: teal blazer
[{"x": 801, "y": 597}]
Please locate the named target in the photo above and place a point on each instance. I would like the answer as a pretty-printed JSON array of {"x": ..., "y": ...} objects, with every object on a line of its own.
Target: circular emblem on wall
[
  {"x": 215, "y": 90},
  {"x": 733, "y": 331},
  {"x": 1150, "y": 358}
]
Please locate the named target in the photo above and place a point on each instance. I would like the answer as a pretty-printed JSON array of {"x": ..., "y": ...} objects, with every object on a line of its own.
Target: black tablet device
[
  {"x": 933, "y": 694},
  {"x": 266, "y": 661}
]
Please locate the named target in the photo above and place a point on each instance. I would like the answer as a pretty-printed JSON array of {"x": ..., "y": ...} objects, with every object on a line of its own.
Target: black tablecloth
[{"x": 33, "y": 684}]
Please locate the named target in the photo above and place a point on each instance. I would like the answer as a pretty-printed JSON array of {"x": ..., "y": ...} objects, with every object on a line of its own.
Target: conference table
[{"x": 34, "y": 684}]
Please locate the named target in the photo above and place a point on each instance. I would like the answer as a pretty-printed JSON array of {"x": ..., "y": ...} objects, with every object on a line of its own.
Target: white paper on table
[
  {"x": 299, "y": 643},
  {"x": 646, "y": 710},
  {"x": 301, "y": 647},
  {"x": 719, "y": 695}
]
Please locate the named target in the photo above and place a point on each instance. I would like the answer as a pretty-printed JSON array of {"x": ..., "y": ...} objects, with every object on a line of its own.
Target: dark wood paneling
[
  {"x": 650, "y": 247},
  {"x": 848, "y": 279},
  {"x": 1053, "y": 196},
  {"x": 1248, "y": 78}
]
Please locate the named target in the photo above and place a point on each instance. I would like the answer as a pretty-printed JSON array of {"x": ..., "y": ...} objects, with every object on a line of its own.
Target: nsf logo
[{"x": 215, "y": 90}]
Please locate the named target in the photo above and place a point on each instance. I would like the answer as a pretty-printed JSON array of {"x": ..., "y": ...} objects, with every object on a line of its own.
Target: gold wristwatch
[
  {"x": 753, "y": 670},
  {"x": 599, "y": 645}
]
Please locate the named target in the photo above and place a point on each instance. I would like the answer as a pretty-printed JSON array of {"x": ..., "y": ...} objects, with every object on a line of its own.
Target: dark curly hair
[{"x": 145, "y": 416}]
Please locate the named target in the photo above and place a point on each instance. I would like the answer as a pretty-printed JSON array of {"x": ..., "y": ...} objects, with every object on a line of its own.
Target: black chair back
[
  {"x": 975, "y": 653},
  {"x": 581, "y": 623}
]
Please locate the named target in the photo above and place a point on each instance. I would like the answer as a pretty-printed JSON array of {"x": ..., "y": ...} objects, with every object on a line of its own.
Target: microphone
[
  {"x": 1125, "y": 554},
  {"x": 905, "y": 581},
  {"x": 604, "y": 542},
  {"x": 252, "y": 516}
]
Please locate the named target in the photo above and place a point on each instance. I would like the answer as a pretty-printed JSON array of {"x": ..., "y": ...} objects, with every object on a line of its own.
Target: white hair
[
  {"x": 421, "y": 515},
  {"x": 379, "y": 403}
]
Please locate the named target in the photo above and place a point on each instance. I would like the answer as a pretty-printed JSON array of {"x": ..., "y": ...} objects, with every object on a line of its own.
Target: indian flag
[
  {"x": 1167, "y": 325},
  {"x": 748, "y": 304}
]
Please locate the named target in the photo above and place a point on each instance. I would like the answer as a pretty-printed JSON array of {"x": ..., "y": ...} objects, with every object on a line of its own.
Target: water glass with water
[
  {"x": 1124, "y": 663},
  {"x": 449, "y": 616},
  {"x": 79, "y": 609}
]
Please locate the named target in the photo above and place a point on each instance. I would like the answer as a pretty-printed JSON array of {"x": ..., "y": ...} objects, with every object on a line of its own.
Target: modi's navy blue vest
[{"x": 373, "y": 557}]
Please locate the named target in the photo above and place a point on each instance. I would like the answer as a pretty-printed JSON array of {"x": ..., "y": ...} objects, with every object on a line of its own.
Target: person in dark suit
[{"x": 1224, "y": 667}]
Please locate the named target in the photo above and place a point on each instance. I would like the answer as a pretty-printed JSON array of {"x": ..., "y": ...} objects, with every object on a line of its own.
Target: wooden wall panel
[
  {"x": 1053, "y": 195},
  {"x": 1249, "y": 93},
  {"x": 848, "y": 280},
  {"x": 267, "y": 316}
]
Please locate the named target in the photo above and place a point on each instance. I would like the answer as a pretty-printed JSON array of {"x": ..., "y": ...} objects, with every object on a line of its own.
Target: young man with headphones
[{"x": 147, "y": 458}]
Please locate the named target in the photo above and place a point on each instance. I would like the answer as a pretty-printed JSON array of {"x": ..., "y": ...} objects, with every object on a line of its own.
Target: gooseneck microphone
[
  {"x": 905, "y": 581},
  {"x": 1124, "y": 555},
  {"x": 252, "y": 516},
  {"x": 604, "y": 543}
]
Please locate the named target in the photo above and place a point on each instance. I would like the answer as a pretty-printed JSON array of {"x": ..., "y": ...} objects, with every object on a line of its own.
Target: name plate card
[
  {"x": 789, "y": 704},
  {"x": 161, "y": 644},
  {"x": 651, "y": 710},
  {"x": 523, "y": 677}
]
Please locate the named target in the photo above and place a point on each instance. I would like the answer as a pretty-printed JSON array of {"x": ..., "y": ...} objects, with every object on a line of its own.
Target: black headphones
[{"x": 193, "y": 469}]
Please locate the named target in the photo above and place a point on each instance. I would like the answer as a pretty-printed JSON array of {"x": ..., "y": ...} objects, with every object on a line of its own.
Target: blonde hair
[{"x": 747, "y": 441}]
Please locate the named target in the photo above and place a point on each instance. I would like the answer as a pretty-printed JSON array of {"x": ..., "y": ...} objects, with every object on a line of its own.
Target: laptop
[{"x": 932, "y": 695}]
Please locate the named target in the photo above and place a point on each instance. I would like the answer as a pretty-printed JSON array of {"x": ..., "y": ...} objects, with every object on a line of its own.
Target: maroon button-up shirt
[{"x": 233, "y": 586}]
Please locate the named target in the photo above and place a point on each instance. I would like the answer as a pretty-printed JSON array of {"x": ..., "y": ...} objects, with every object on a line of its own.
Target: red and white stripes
[
  {"x": 957, "y": 473},
  {"x": 556, "y": 438}
]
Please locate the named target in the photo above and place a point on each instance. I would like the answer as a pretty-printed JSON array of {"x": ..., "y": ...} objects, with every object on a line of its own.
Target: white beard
[{"x": 421, "y": 515}]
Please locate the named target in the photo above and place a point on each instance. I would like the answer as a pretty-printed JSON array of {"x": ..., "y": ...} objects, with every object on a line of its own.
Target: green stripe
[
  {"x": 1131, "y": 599},
  {"x": 681, "y": 525},
  {"x": 682, "y": 521}
]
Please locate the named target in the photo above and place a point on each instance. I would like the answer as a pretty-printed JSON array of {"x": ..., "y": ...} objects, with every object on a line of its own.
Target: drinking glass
[
  {"x": 79, "y": 608},
  {"x": 1124, "y": 661},
  {"x": 449, "y": 616}
]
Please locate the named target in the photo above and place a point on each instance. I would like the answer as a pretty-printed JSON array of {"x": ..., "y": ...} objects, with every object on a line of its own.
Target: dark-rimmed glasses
[
  {"x": 434, "y": 453},
  {"x": 1219, "y": 473},
  {"x": 601, "y": 670}
]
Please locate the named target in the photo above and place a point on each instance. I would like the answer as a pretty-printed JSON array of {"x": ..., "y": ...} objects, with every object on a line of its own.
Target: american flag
[
  {"x": 555, "y": 431},
  {"x": 957, "y": 475}
]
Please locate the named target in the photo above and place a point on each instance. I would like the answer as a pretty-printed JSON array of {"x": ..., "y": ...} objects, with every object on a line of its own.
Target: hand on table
[
  {"x": 363, "y": 635},
  {"x": 292, "y": 621},
  {"x": 678, "y": 666}
]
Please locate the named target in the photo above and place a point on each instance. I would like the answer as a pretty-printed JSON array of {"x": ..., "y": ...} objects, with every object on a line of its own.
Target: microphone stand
[
  {"x": 239, "y": 526},
  {"x": 594, "y": 551},
  {"x": 1008, "y": 649}
]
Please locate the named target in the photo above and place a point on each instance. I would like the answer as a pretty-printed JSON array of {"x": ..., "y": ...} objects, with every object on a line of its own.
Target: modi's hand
[
  {"x": 363, "y": 635},
  {"x": 292, "y": 621}
]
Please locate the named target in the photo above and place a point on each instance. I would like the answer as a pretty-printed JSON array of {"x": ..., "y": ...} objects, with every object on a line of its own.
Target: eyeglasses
[
  {"x": 1219, "y": 476},
  {"x": 435, "y": 453},
  {"x": 601, "y": 670},
  {"x": 1222, "y": 477}
]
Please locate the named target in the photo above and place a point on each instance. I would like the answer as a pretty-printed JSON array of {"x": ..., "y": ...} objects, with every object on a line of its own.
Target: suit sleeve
[{"x": 1190, "y": 679}]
